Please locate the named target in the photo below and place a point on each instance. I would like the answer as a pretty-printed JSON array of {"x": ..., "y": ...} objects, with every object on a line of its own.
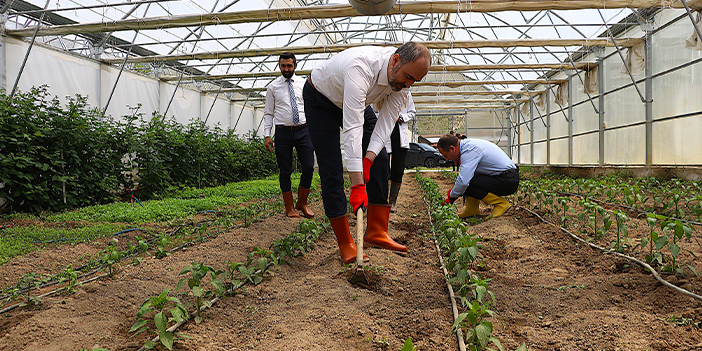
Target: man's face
[
  {"x": 452, "y": 153},
  {"x": 287, "y": 67},
  {"x": 403, "y": 76}
]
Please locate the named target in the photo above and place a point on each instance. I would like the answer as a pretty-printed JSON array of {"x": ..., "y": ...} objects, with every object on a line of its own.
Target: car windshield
[{"x": 427, "y": 147}]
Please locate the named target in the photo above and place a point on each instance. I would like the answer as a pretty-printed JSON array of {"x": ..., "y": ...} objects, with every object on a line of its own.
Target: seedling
[
  {"x": 198, "y": 288},
  {"x": 29, "y": 282},
  {"x": 109, "y": 257},
  {"x": 157, "y": 305}
]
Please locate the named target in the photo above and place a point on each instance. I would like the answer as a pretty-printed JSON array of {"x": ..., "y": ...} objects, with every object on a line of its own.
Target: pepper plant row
[
  {"x": 159, "y": 314},
  {"x": 460, "y": 251},
  {"x": 585, "y": 206}
]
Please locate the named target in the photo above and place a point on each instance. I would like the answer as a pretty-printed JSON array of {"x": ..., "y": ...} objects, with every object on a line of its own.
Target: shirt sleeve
[
  {"x": 268, "y": 111},
  {"x": 357, "y": 81},
  {"x": 469, "y": 162},
  {"x": 409, "y": 113},
  {"x": 386, "y": 121}
]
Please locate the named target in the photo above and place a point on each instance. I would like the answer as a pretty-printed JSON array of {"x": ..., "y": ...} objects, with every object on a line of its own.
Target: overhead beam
[
  {"x": 340, "y": 11},
  {"x": 478, "y": 92},
  {"x": 470, "y": 101},
  {"x": 489, "y": 82},
  {"x": 466, "y": 107},
  {"x": 436, "y": 68},
  {"x": 439, "y": 45}
]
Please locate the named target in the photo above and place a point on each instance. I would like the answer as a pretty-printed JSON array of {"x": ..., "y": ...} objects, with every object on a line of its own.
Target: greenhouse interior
[{"x": 141, "y": 206}]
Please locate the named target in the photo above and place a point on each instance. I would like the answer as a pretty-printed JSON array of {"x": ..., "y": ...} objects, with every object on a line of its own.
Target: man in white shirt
[
  {"x": 338, "y": 94},
  {"x": 285, "y": 109},
  {"x": 486, "y": 173},
  {"x": 397, "y": 149}
]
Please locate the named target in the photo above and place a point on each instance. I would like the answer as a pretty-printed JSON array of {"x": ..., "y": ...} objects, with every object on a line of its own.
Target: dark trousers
[
  {"x": 285, "y": 141},
  {"x": 325, "y": 120},
  {"x": 398, "y": 156},
  {"x": 503, "y": 184}
]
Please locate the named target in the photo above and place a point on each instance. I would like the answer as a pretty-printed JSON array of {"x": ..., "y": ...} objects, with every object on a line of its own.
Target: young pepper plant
[
  {"x": 156, "y": 305},
  {"x": 198, "y": 288}
]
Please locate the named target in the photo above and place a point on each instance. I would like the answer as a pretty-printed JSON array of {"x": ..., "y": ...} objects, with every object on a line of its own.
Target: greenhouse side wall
[
  {"x": 614, "y": 133},
  {"x": 68, "y": 75}
]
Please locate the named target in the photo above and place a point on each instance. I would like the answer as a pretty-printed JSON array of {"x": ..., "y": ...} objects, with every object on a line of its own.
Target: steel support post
[
  {"x": 601, "y": 112},
  {"x": 532, "y": 106},
  {"x": 509, "y": 135},
  {"x": 570, "y": 119},
  {"x": 548, "y": 127},
  {"x": 649, "y": 91}
]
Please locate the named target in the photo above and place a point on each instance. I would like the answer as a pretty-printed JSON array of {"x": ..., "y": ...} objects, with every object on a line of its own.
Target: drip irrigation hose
[
  {"x": 452, "y": 296},
  {"x": 629, "y": 258},
  {"x": 627, "y": 207},
  {"x": 60, "y": 240}
]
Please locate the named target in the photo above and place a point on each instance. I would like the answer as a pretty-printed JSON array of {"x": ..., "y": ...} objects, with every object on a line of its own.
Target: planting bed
[{"x": 551, "y": 293}]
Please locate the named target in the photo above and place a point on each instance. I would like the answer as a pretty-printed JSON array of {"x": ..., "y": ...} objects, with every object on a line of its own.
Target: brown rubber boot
[
  {"x": 340, "y": 225},
  {"x": 377, "y": 229},
  {"x": 472, "y": 207},
  {"x": 301, "y": 204},
  {"x": 394, "y": 191},
  {"x": 501, "y": 205},
  {"x": 289, "y": 210}
]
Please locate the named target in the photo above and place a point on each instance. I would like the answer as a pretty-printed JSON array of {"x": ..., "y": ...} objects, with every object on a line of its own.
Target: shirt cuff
[
  {"x": 354, "y": 165},
  {"x": 375, "y": 147}
]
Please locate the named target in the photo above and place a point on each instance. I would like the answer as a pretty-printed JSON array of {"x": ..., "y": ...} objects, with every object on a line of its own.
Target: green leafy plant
[
  {"x": 109, "y": 257},
  {"x": 160, "y": 307},
  {"x": 27, "y": 283},
  {"x": 198, "y": 271}
]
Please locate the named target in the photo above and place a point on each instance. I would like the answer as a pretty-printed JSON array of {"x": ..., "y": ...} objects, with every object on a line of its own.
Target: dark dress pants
[
  {"x": 325, "y": 120},
  {"x": 398, "y": 156},
  {"x": 503, "y": 184},
  {"x": 285, "y": 141}
]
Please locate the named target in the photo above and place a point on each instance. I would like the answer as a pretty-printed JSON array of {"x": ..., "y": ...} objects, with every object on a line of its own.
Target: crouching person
[{"x": 486, "y": 173}]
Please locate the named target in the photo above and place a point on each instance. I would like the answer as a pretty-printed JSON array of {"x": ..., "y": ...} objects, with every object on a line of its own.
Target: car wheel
[{"x": 430, "y": 162}]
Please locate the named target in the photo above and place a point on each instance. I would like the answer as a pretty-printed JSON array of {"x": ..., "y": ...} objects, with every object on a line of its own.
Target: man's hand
[
  {"x": 449, "y": 199},
  {"x": 358, "y": 197},
  {"x": 367, "y": 163},
  {"x": 269, "y": 144}
]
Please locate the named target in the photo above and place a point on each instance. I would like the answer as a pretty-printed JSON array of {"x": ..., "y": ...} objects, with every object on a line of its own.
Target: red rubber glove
[
  {"x": 367, "y": 163},
  {"x": 449, "y": 199},
  {"x": 358, "y": 197}
]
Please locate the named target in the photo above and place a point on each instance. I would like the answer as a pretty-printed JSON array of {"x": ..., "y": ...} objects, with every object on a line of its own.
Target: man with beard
[
  {"x": 337, "y": 95},
  {"x": 285, "y": 110}
]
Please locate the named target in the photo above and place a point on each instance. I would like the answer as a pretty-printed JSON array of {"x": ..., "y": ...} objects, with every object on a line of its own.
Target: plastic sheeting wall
[
  {"x": 676, "y": 108},
  {"x": 68, "y": 75}
]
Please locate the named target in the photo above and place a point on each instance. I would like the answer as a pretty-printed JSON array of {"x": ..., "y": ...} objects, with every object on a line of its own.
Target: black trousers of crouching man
[
  {"x": 399, "y": 155},
  {"x": 325, "y": 120},
  {"x": 503, "y": 184},
  {"x": 285, "y": 141}
]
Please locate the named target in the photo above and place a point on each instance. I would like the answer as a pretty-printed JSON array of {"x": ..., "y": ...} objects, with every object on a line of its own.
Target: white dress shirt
[
  {"x": 278, "y": 110},
  {"x": 352, "y": 80},
  {"x": 406, "y": 115}
]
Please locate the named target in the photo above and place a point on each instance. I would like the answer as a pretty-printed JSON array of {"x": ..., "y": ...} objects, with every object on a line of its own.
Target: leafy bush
[{"x": 55, "y": 157}]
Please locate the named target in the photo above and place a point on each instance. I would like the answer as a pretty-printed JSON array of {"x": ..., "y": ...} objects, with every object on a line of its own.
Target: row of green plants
[
  {"x": 56, "y": 156},
  {"x": 177, "y": 204},
  {"x": 202, "y": 283},
  {"x": 460, "y": 251},
  {"x": 675, "y": 197},
  {"x": 610, "y": 224},
  {"x": 158, "y": 246}
]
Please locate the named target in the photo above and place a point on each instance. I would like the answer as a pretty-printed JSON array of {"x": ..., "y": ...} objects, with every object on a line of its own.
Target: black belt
[{"x": 293, "y": 128}]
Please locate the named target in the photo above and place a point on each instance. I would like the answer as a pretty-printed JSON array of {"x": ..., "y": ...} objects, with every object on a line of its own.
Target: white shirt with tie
[
  {"x": 352, "y": 80},
  {"x": 278, "y": 110}
]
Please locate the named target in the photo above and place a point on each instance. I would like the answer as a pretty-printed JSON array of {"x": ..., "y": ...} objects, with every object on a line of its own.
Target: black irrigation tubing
[
  {"x": 103, "y": 266},
  {"x": 629, "y": 258},
  {"x": 61, "y": 240},
  {"x": 625, "y": 206},
  {"x": 452, "y": 296}
]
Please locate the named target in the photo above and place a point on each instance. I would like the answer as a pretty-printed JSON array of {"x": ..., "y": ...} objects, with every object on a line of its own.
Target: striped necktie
[{"x": 293, "y": 104}]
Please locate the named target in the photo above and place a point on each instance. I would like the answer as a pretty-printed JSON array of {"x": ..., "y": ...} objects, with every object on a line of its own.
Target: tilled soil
[{"x": 551, "y": 293}]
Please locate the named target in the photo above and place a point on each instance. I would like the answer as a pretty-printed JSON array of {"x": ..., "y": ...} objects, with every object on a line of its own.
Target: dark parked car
[{"x": 423, "y": 155}]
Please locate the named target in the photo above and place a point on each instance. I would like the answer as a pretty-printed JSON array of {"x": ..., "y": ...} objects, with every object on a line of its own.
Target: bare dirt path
[{"x": 550, "y": 292}]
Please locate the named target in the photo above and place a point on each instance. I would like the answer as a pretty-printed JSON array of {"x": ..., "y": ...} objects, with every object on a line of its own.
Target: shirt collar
[{"x": 383, "y": 78}]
